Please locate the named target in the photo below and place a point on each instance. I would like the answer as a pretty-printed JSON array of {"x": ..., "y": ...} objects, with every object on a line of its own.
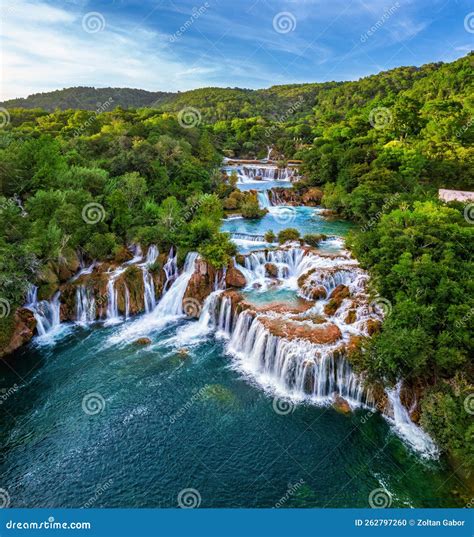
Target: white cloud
[{"x": 46, "y": 48}]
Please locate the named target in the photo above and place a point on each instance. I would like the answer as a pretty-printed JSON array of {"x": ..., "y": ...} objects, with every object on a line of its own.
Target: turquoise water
[
  {"x": 172, "y": 422},
  {"x": 304, "y": 219}
]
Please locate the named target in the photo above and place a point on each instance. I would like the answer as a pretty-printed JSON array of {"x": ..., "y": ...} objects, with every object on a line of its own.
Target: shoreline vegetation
[{"x": 79, "y": 188}]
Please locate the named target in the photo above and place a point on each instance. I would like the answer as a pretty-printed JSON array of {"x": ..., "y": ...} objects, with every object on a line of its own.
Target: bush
[
  {"x": 288, "y": 234},
  {"x": 270, "y": 236},
  {"x": 313, "y": 239},
  {"x": 251, "y": 209}
]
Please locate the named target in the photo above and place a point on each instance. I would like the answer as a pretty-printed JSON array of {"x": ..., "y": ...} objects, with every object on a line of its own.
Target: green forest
[{"x": 378, "y": 149}]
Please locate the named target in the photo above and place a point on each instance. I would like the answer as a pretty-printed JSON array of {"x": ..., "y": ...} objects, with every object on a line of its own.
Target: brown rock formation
[
  {"x": 200, "y": 286},
  {"x": 234, "y": 278},
  {"x": 319, "y": 334},
  {"x": 22, "y": 328}
]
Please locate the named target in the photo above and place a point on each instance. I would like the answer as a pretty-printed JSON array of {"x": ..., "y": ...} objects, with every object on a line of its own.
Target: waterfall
[
  {"x": 197, "y": 330},
  {"x": 171, "y": 304},
  {"x": 405, "y": 428},
  {"x": 168, "y": 309},
  {"x": 247, "y": 237},
  {"x": 224, "y": 317},
  {"x": 112, "y": 306},
  {"x": 149, "y": 298},
  {"x": 294, "y": 368},
  {"x": 263, "y": 199},
  {"x": 85, "y": 305},
  {"x": 47, "y": 313},
  {"x": 171, "y": 269}
]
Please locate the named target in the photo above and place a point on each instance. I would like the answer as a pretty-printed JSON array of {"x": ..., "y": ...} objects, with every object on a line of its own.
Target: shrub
[
  {"x": 313, "y": 239},
  {"x": 270, "y": 236},
  {"x": 288, "y": 234}
]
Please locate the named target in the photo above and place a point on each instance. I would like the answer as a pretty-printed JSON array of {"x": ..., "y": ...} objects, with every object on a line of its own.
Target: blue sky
[{"x": 184, "y": 44}]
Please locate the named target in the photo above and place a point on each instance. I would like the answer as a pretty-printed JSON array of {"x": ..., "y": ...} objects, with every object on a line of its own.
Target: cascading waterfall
[
  {"x": 263, "y": 199},
  {"x": 148, "y": 283},
  {"x": 294, "y": 368},
  {"x": 171, "y": 303},
  {"x": 168, "y": 309},
  {"x": 85, "y": 305},
  {"x": 171, "y": 269},
  {"x": 47, "y": 313},
  {"x": 414, "y": 435}
]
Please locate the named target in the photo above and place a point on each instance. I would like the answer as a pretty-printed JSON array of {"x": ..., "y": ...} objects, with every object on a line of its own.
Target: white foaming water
[
  {"x": 406, "y": 429},
  {"x": 168, "y": 309},
  {"x": 47, "y": 314},
  {"x": 296, "y": 369},
  {"x": 263, "y": 199},
  {"x": 85, "y": 305},
  {"x": 171, "y": 269},
  {"x": 198, "y": 330},
  {"x": 149, "y": 298}
]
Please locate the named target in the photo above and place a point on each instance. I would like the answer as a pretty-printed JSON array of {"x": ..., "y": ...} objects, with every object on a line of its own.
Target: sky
[{"x": 165, "y": 45}]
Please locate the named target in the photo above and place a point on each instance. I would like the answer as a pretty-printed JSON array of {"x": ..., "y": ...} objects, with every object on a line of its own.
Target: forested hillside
[{"x": 378, "y": 149}]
